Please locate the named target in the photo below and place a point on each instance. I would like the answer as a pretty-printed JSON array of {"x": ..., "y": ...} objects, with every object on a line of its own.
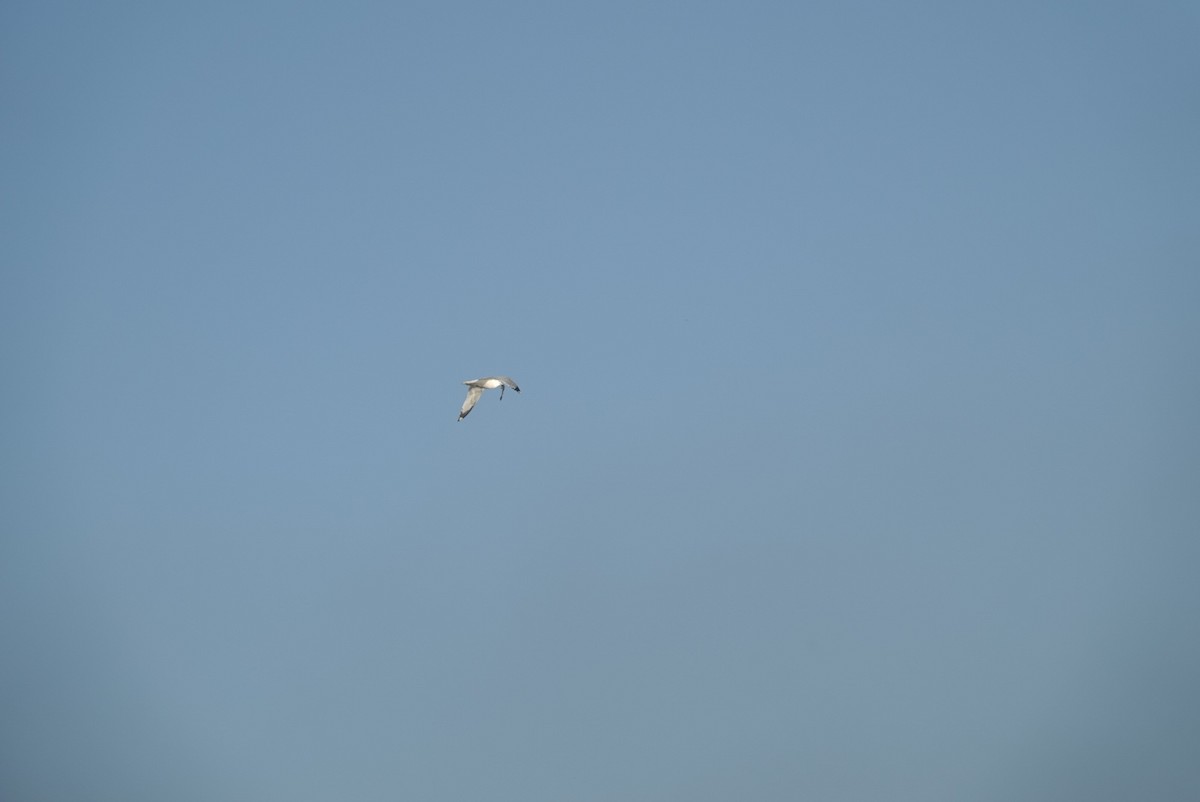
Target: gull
[{"x": 479, "y": 385}]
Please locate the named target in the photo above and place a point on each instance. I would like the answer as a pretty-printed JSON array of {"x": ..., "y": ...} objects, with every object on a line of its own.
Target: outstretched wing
[
  {"x": 473, "y": 394},
  {"x": 509, "y": 382}
]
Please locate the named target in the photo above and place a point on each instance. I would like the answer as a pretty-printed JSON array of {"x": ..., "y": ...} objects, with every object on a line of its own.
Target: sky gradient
[{"x": 858, "y": 453}]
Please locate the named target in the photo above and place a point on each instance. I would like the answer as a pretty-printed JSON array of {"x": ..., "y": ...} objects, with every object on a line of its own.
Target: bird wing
[
  {"x": 509, "y": 382},
  {"x": 473, "y": 394}
]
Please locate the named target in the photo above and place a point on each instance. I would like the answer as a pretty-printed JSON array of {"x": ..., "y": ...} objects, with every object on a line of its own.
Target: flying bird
[{"x": 477, "y": 386}]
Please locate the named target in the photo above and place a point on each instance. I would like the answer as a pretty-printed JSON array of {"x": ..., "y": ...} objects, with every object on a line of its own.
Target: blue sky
[{"x": 858, "y": 455}]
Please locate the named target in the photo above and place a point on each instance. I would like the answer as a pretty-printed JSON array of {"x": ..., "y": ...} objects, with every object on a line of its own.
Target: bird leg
[{"x": 502, "y": 392}]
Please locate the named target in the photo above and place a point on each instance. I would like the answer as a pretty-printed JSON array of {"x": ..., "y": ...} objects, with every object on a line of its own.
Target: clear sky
[{"x": 858, "y": 453}]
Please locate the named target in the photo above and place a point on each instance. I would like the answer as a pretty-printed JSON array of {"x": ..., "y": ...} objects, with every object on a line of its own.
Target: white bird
[{"x": 477, "y": 386}]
